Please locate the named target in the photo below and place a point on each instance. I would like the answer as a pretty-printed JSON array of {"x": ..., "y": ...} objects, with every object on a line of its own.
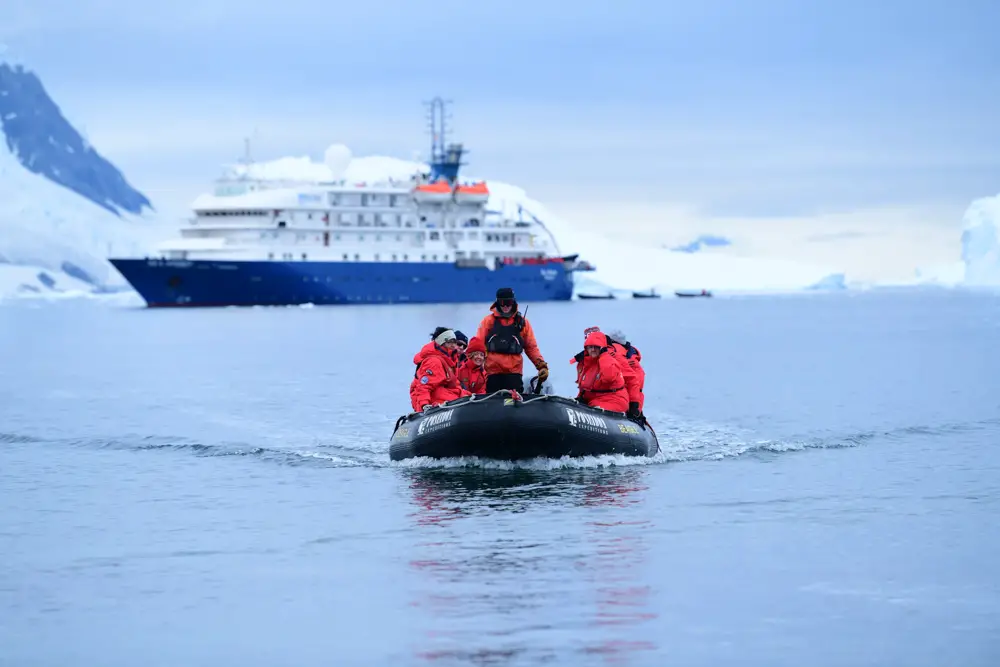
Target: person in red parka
[
  {"x": 625, "y": 351},
  {"x": 471, "y": 373},
  {"x": 601, "y": 382},
  {"x": 435, "y": 381},
  {"x": 633, "y": 382}
]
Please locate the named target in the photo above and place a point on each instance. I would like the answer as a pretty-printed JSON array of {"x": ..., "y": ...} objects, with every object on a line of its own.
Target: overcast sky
[{"x": 740, "y": 108}]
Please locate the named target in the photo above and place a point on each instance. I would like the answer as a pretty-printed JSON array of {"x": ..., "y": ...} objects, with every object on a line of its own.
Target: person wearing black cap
[
  {"x": 508, "y": 335},
  {"x": 461, "y": 342}
]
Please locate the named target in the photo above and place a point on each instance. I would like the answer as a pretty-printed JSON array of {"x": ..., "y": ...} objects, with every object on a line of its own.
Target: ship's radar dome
[{"x": 337, "y": 157}]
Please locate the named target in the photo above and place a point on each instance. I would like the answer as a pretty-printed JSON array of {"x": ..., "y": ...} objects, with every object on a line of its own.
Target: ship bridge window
[
  {"x": 406, "y": 258},
  {"x": 345, "y": 256},
  {"x": 376, "y": 257},
  {"x": 357, "y": 257},
  {"x": 282, "y": 224},
  {"x": 435, "y": 236}
]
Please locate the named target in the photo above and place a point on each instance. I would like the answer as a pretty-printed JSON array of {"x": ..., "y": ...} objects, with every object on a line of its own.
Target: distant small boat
[
  {"x": 651, "y": 294},
  {"x": 596, "y": 296},
  {"x": 693, "y": 293}
]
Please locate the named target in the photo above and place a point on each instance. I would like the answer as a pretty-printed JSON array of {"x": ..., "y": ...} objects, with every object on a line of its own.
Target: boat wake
[{"x": 681, "y": 441}]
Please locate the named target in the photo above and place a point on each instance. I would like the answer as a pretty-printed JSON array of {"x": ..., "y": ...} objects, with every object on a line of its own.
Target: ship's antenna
[{"x": 437, "y": 120}]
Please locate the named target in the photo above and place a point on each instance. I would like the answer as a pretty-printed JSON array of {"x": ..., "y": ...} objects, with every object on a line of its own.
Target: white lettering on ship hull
[
  {"x": 587, "y": 422},
  {"x": 435, "y": 422}
]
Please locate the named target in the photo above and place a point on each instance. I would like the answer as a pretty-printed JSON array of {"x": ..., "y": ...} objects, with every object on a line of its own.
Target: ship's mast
[{"x": 445, "y": 158}]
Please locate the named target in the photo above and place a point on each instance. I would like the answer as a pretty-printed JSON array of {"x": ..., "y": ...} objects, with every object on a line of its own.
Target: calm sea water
[{"x": 213, "y": 488}]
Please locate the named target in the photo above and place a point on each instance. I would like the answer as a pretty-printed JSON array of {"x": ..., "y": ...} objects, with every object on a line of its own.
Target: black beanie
[
  {"x": 461, "y": 337},
  {"x": 505, "y": 293}
]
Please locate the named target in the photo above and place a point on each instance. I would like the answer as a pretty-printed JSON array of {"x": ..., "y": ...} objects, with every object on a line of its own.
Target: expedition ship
[{"x": 429, "y": 239}]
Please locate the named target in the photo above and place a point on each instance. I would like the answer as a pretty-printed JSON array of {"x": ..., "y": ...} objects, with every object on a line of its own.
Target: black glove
[{"x": 633, "y": 410}]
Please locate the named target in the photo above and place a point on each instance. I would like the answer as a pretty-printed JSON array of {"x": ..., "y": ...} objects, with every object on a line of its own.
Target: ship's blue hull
[{"x": 169, "y": 282}]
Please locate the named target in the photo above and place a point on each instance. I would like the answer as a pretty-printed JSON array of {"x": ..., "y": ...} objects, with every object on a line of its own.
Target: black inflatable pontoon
[{"x": 501, "y": 427}]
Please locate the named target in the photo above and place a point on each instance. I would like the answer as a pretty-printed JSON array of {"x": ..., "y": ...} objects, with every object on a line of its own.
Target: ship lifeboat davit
[
  {"x": 476, "y": 193},
  {"x": 507, "y": 427},
  {"x": 438, "y": 191}
]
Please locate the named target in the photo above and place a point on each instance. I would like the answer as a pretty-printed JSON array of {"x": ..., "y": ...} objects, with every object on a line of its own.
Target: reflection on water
[{"x": 531, "y": 566}]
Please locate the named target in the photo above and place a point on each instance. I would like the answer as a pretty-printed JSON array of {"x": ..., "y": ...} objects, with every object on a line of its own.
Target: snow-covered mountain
[{"x": 63, "y": 207}]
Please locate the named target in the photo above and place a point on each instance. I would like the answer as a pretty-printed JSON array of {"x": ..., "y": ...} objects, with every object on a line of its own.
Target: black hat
[
  {"x": 461, "y": 337},
  {"x": 505, "y": 293}
]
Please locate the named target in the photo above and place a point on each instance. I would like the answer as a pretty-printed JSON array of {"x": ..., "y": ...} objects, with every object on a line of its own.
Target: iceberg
[{"x": 981, "y": 243}]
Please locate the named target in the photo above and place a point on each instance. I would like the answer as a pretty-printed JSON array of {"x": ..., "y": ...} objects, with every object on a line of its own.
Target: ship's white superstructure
[{"x": 417, "y": 220}]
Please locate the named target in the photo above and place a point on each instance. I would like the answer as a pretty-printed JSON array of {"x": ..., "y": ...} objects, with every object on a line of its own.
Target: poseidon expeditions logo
[
  {"x": 586, "y": 421},
  {"x": 435, "y": 422}
]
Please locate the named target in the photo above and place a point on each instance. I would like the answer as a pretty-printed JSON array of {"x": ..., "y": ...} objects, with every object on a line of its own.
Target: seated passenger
[
  {"x": 471, "y": 372},
  {"x": 462, "y": 342},
  {"x": 434, "y": 381},
  {"x": 600, "y": 379},
  {"x": 632, "y": 371}
]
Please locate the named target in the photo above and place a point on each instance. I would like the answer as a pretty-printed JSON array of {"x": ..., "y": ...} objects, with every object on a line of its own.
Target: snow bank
[
  {"x": 28, "y": 281},
  {"x": 626, "y": 266},
  {"x": 981, "y": 243}
]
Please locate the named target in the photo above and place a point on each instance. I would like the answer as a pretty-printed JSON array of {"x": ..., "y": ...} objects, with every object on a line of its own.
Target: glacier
[
  {"x": 981, "y": 243},
  {"x": 65, "y": 208}
]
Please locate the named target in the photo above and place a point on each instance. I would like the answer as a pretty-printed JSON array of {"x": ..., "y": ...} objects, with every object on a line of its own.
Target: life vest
[{"x": 506, "y": 338}]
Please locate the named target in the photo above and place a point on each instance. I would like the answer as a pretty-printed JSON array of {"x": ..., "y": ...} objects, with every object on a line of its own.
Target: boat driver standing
[{"x": 507, "y": 335}]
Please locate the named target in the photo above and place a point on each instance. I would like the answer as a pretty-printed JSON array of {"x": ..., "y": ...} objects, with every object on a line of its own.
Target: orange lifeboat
[
  {"x": 439, "y": 191},
  {"x": 477, "y": 193}
]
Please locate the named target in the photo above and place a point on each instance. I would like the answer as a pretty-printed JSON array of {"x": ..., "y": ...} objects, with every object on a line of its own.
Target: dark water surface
[{"x": 213, "y": 488}]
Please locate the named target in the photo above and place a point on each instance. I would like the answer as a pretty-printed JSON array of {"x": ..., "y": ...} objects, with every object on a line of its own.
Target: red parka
[
  {"x": 601, "y": 382},
  {"x": 470, "y": 376},
  {"x": 435, "y": 380}
]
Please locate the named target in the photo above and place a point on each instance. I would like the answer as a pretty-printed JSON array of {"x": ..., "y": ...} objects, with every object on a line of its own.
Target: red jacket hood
[{"x": 431, "y": 349}]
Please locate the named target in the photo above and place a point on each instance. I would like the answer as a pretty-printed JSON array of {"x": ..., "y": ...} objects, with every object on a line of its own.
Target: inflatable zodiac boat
[{"x": 510, "y": 427}]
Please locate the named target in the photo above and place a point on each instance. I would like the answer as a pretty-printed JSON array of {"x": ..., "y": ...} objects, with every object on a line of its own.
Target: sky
[{"x": 770, "y": 119}]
